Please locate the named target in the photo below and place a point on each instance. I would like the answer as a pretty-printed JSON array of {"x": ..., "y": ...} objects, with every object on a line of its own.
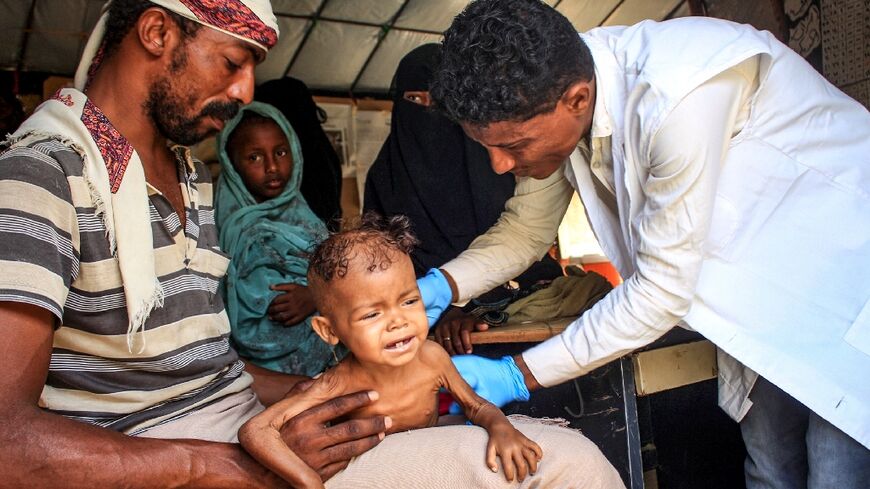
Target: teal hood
[{"x": 268, "y": 244}]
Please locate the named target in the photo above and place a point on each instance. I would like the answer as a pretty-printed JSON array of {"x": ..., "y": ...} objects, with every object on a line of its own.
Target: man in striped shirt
[{"x": 84, "y": 364}]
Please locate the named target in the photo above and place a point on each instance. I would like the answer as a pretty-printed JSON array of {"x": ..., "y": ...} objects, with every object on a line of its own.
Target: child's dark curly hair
[{"x": 375, "y": 241}]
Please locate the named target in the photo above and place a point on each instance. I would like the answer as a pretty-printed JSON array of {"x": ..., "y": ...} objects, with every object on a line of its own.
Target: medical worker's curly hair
[
  {"x": 507, "y": 60},
  {"x": 376, "y": 242}
]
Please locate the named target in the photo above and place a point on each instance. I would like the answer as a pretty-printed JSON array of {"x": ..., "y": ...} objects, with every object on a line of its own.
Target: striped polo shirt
[{"x": 54, "y": 253}]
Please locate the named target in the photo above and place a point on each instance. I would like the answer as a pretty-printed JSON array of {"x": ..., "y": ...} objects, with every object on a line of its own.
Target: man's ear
[
  {"x": 156, "y": 31},
  {"x": 580, "y": 96},
  {"x": 323, "y": 328}
]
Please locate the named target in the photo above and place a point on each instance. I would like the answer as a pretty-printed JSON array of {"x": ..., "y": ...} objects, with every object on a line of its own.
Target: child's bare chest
[{"x": 411, "y": 405}]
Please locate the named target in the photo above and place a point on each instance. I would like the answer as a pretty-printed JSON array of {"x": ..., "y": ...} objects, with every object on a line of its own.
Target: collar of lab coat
[{"x": 602, "y": 125}]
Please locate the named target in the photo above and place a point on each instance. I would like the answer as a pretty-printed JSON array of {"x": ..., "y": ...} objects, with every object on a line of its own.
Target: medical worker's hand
[
  {"x": 293, "y": 306},
  {"x": 497, "y": 381},
  {"x": 453, "y": 331},
  {"x": 436, "y": 293}
]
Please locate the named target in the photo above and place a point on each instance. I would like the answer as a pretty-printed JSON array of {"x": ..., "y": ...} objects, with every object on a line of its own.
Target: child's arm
[
  {"x": 292, "y": 306},
  {"x": 518, "y": 454},
  {"x": 261, "y": 436}
]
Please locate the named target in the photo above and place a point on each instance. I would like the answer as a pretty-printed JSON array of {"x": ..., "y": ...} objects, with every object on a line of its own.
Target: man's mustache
[{"x": 220, "y": 110}]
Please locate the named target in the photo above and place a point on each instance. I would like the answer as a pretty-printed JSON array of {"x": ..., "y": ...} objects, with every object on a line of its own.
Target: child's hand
[
  {"x": 519, "y": 455},
  {"x": 293, "y": 306}
]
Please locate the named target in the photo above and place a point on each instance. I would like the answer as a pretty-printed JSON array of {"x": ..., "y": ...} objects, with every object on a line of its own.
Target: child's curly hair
[{"x": 375, "y": 241}]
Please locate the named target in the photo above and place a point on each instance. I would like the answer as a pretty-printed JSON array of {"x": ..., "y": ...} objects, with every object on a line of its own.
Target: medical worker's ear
[
  {"x": 579, "y": 97},
  {"x": 323, "y": 328}
]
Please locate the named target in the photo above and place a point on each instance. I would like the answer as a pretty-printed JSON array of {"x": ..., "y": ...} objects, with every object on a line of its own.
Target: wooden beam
[{"x": 529, "y": 332}]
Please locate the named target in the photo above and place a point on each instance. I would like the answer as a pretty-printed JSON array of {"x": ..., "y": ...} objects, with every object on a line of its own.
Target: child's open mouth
[{"x": 400, "y": 345}]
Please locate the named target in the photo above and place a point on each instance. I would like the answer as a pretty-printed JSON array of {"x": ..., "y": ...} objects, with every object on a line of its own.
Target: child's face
[
  {"x": 263, "y": 159},
  {"x": 379, "y": 315}
]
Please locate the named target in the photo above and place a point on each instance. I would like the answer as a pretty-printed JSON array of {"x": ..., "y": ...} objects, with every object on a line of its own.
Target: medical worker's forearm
[{"x": 523, "y": 234}]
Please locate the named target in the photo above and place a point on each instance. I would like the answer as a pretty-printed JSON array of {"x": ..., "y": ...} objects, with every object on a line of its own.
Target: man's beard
[{"x": 166, "y": 107}]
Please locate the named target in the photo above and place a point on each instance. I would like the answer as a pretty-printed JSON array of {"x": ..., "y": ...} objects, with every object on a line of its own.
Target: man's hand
[
  {"x": 453, "y": 331},
  {"x": 497, "y": 381},
  {"x": 297, "y": 428},
  {"x": 293, "y": 306},
  {"x": 328, "y": 449}
]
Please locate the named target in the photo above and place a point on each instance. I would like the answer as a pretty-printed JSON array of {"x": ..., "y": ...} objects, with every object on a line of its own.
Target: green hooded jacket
[{"x": 268, "y": 244}]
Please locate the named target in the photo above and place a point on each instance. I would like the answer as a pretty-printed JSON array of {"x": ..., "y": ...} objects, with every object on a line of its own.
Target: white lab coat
[{"x": 784, "y": 280}]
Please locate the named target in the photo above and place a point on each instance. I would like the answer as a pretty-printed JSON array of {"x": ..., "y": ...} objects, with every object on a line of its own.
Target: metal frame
[
  {"x": 632, "y": 435},
  {"x": 25, "y": 40},
  {"x": 313, "y": 20},
  {"x": 385, "y": 28}
]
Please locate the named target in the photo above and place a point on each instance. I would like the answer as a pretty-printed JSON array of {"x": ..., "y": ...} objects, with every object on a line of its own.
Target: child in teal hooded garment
[{"x": 268, "y": 238}]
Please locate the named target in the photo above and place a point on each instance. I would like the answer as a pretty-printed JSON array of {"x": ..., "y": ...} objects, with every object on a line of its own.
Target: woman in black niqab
[{"x": 429, "y": 170}]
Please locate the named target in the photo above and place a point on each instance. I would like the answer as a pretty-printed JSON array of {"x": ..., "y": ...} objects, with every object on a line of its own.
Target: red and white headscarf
[{"x": 249, "y": 20}]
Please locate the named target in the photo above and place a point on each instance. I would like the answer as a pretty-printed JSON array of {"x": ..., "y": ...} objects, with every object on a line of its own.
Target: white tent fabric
[{"x": 341, "y": 46}]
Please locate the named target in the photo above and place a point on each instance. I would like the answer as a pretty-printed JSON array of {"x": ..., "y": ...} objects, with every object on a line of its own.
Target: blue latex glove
[
  {"x": 436, "y": 294},
  {"x": 497, "y": 381}
]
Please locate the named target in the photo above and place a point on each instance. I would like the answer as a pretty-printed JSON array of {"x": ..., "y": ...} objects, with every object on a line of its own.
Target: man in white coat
[{"x": 727, "y": 181}]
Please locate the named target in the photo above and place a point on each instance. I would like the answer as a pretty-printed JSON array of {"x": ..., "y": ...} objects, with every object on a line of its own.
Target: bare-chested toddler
[{"x": 366, "y": 293}]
